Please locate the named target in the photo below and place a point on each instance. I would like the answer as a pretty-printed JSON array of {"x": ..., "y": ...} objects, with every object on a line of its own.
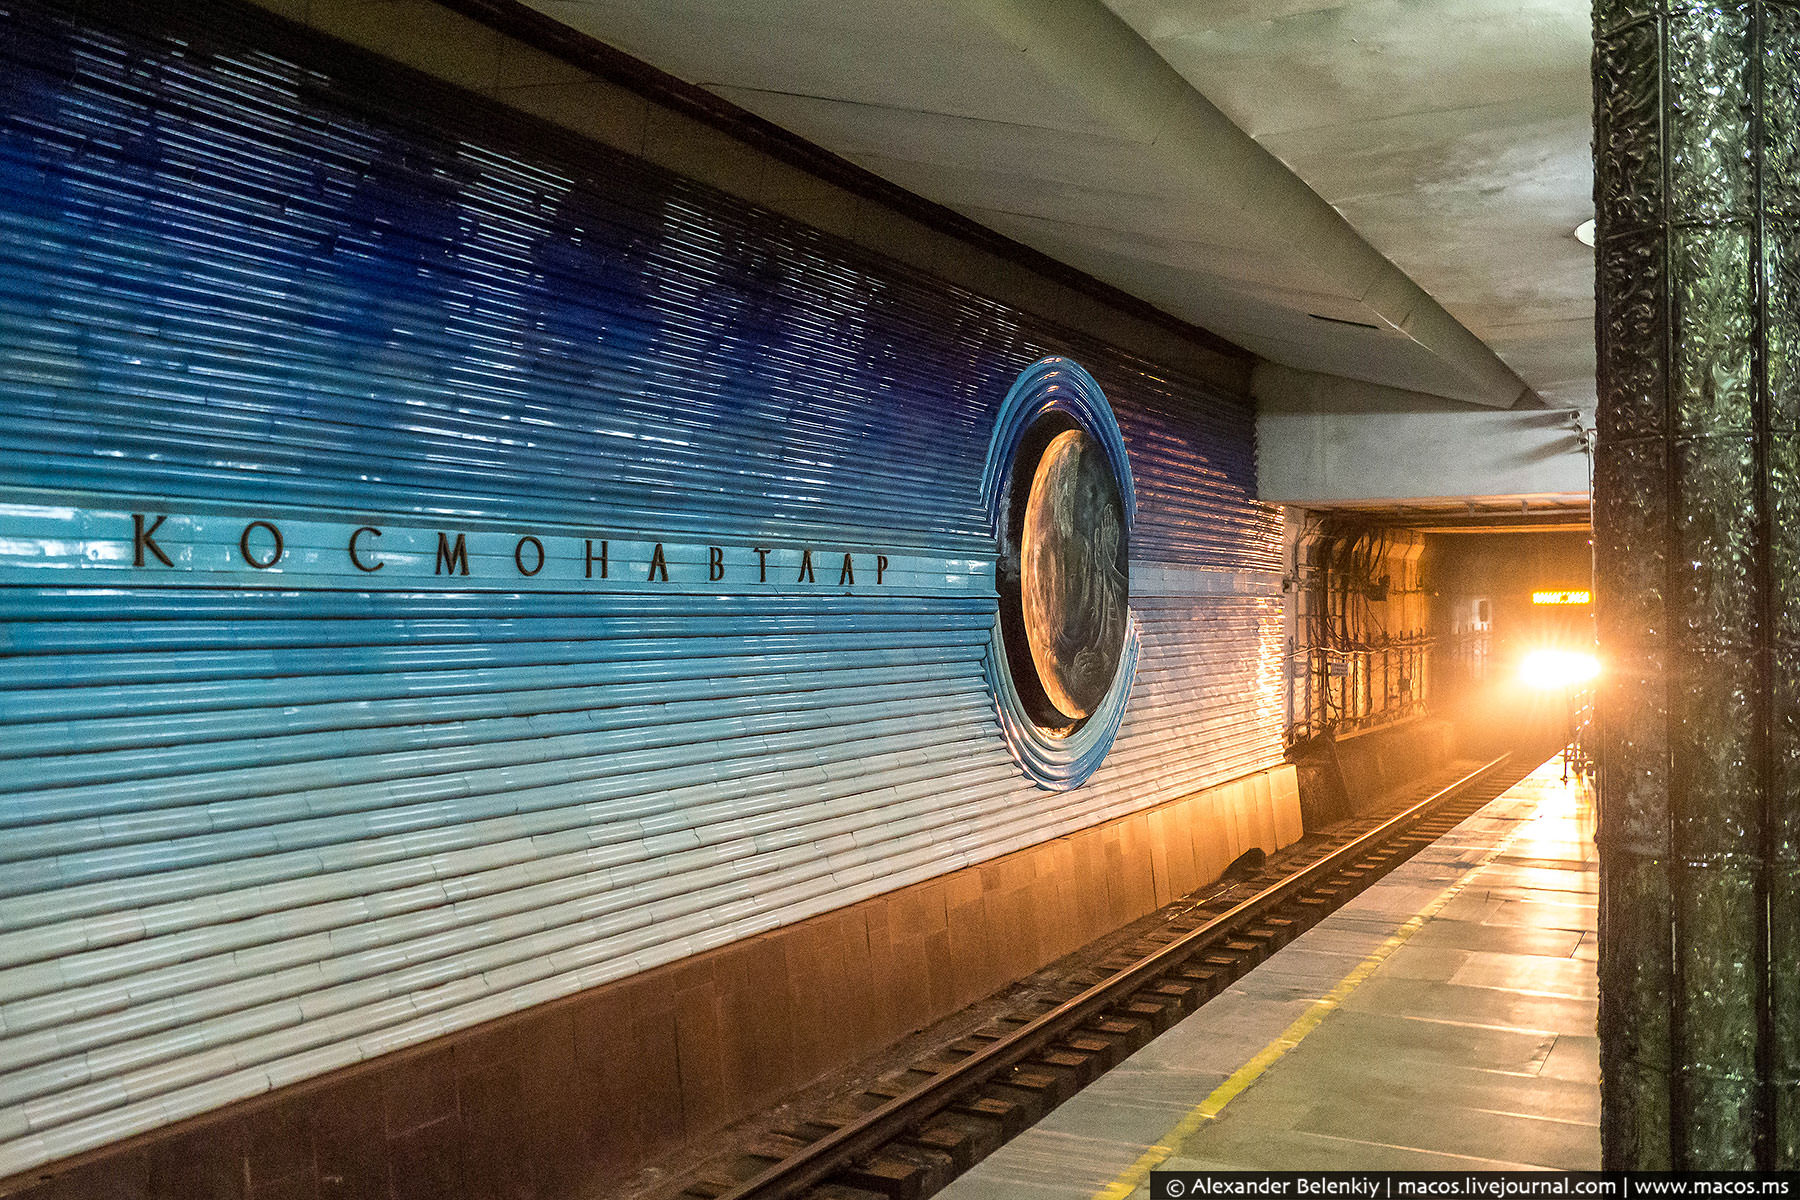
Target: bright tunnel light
[{"x": 1554, "y": 670}]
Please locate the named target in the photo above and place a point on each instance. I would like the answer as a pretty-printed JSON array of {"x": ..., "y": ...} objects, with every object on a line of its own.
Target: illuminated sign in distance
[{"x": 1562, "y": 597}]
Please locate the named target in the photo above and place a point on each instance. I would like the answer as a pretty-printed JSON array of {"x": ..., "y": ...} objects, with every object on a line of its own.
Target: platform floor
[{"x": 1443, "y": 1020}]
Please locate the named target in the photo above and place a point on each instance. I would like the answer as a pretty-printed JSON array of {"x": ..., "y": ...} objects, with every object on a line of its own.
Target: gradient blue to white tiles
[{"x": 1471, "y": 1045}]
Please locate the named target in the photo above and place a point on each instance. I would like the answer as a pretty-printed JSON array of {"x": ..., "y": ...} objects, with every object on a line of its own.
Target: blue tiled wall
[{"x": 257, "y": 823}]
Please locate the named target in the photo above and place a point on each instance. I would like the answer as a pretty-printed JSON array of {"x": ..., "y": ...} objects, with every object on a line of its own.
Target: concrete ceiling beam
[
  {"x": 1086, "y": 48},
  {"x": 1326, "y": 441}
]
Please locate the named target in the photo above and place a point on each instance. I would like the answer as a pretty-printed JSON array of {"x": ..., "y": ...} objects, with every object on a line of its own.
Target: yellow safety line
[{"x": 1244, "y": 1076}]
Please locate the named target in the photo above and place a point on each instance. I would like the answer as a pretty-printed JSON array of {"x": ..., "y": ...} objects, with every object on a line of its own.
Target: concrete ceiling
[
  {"x": 1453, "y": 134},
  {"x": 1193, "y": 153}
]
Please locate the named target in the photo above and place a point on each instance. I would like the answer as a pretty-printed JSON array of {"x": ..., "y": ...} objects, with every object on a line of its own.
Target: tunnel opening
[{"x": 1416, "y": 641}]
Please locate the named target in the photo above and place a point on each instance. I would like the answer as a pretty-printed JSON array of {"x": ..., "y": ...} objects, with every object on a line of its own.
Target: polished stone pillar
[{"x": 1697, "y": 531}]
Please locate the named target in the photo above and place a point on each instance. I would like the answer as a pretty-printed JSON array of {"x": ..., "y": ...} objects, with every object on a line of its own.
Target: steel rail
[{"x": 891, "y": 1121}]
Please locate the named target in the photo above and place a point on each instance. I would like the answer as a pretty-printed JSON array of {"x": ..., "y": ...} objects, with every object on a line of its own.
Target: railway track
[{"x": 910, "y": 1134}]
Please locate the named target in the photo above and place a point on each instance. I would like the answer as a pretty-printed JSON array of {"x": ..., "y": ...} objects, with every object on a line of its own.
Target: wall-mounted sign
[
  {"x": 1561, "y": 597},
  {"x": 50, "y": 545}
]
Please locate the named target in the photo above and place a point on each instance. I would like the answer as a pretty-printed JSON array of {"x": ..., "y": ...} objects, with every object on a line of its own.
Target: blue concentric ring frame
[{"x": 1059, "y": 762}]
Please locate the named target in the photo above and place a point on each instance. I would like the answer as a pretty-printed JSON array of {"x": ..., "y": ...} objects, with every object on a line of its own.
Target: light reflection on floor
[{"x": 1471, "y": 1045}]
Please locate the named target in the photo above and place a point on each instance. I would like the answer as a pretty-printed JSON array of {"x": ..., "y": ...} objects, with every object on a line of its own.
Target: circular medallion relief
[
  {"x": 1064, "y": 648},
  {"x": 1072, "y": 586}
]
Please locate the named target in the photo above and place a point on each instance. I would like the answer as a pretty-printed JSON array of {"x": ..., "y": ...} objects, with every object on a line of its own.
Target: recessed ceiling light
[{"x": 1584, "y": 233}]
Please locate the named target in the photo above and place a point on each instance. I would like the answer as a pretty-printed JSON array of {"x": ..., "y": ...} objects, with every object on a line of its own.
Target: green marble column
[{"x": 1697, "y": 529}]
